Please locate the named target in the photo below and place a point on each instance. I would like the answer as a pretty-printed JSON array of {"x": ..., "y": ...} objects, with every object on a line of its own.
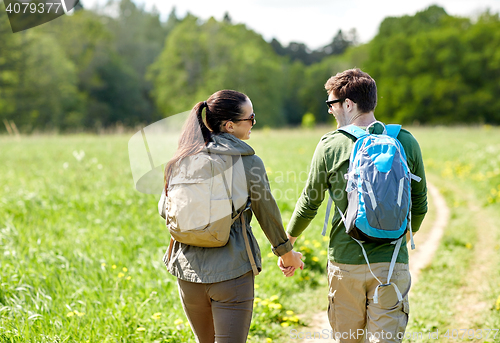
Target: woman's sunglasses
[{"x": 252, "y": 118}]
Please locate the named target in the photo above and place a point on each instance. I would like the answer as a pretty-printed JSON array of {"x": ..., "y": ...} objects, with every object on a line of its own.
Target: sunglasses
[
  {"x": 329, "y": 103},
  {"x": 252, "y": 118}
]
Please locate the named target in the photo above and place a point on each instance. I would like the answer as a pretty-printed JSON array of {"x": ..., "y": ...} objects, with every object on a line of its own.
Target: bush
[{"x": 308, "y": 121}]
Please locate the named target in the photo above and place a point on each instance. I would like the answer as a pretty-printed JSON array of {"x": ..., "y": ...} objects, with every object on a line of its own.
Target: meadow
[{"x": 81, "y": 250}]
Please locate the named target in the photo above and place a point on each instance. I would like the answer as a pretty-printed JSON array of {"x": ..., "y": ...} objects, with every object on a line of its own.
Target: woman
[{"x": 216, "y": 285}]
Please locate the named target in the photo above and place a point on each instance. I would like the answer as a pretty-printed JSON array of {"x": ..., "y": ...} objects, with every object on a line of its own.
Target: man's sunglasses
[
  {"x": 252, "y": 118},
  {"x": 329, "y": 103}
]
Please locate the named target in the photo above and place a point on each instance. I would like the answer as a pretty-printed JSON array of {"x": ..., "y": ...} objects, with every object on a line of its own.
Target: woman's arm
[{"x": 266, "y": 211}]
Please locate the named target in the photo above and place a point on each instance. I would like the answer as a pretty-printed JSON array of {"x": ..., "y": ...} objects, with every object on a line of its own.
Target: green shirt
[{"x": 328, "y": 166}]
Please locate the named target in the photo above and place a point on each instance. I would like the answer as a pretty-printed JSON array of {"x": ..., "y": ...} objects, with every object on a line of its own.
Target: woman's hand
[{"x": 289, "y": 262}]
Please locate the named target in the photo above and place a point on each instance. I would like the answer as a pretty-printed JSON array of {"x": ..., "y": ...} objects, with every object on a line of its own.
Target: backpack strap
[
  {"x": 170, "y": 246},
  {"x": 393, "y": 130},
  {"x": 353, "y": 130},
  {"x": 327, "y": 215},
  {"x": 247, "y": 245},
  {"x": 397, "y": 247},
  {"x": 161, "y": 205}
]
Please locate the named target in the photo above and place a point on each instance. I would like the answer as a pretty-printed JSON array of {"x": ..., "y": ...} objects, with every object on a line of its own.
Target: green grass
[
  {"x": 68, "y": 229},
  {"x": 81, "y": 250},
  {"x": 459, "y": 290}
]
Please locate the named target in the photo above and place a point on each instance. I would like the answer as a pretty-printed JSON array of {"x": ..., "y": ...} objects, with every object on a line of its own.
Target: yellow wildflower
[
  {"x": 79, "y": 314},
  {"x": 129, "y": 277},
  {"x": 120, "y": 274},
  {"x": 103, "y": 265},
  {"x": 275, "y": 306},
  {"x": 268, "y": 340},
  {"x": 315, "y": 259},
  {"x": 285, "y": 324},
  {"x": 156, "y": 316},
  {"x": 113, "y": 266},
  {"x": 256, "y": 286},
  {"x": 178, "y": 322},
  {"x": 141, "y": 329},
  {"x": 257, "y": 300},
  {"x": 468, "y": 246},
  {"x": 70, "y": 314},
  {"x": 326, "y": 239},
  {"x": 274, "y": 297},
  {"x": 124, "y": 269},
  {"x": 289, "y": 312}
]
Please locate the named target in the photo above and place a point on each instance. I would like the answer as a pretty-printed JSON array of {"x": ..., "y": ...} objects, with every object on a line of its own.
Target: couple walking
[{"x": 216, "y": 284}]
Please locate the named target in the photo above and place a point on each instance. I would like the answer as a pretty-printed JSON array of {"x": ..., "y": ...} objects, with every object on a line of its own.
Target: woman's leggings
[{"x": 219, "y": 312}]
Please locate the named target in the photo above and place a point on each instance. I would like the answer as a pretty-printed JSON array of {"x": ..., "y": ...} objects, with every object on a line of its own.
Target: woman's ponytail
[
  {"x": 222, "y": 106},
  {"x": 194, "y": 137},
  {"x": 205, "y": 131}
]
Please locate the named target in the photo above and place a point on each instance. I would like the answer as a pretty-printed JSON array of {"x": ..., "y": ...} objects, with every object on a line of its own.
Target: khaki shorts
[{"x": 354, "y": 316}]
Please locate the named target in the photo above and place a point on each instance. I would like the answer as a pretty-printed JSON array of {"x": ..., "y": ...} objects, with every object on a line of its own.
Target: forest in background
[{"x": 92, "y": 70}]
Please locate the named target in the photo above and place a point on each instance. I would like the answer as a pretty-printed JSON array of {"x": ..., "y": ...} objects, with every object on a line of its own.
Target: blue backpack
[{"x": 378, "y": 192}]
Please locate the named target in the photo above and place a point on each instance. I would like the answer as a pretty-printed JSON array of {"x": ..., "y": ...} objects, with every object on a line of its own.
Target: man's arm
[
  {"x": 312, "y": 195},
  {"x": 418, "y": 189}
]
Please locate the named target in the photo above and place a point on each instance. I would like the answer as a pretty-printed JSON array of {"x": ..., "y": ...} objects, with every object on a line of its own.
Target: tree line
[{"x": 93, "y": 70}]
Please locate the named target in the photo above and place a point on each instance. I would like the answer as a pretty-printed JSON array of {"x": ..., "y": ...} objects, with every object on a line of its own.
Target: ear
[
  {"x": 229, "y": 126},
  {"x": 349, "y": 104}
]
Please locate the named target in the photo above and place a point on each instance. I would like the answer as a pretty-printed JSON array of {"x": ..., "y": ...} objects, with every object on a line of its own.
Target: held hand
[
  {"x": 287, "y": 271},
  {"x": 289, "y": 262}
]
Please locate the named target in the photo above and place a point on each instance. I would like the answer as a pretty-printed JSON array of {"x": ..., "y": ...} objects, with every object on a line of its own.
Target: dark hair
[
  {"x": 355, "y": 85},
  {"x": 221, "y": 106}
]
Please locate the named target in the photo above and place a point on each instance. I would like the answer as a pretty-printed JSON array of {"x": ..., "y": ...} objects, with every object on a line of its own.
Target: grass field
[{"x": 81, "y": 250}]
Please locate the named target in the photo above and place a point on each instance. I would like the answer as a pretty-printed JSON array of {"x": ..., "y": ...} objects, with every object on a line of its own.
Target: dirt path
[
  {"x": 471, "y": 306},
  {"x": 427, "y": 244}
]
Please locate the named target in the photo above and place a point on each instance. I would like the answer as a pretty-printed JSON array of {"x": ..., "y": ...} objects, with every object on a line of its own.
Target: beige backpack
[{"x": 203, "y": 194}]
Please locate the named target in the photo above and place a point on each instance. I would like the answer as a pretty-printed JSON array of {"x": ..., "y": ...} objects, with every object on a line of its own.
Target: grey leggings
[{"x": 219, "y": 312}]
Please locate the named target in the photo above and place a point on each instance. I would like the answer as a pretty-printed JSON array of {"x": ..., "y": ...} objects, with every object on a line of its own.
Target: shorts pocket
[{"x": 403, "y": 319}]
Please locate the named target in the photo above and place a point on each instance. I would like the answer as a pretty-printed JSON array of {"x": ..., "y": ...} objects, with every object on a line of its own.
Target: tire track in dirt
[{"x": 419, "y": 258}]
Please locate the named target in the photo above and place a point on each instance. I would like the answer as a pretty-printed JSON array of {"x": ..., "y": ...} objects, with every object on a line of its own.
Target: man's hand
[{"x": 289, "y": 262}]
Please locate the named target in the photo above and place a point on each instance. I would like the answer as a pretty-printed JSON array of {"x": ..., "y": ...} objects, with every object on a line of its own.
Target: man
[{"x": 353, "y": 313}]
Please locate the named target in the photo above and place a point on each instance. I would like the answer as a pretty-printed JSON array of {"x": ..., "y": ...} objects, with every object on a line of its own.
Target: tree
[
  {"x": 49, "y": 80},
  {"x": 300, "y": 52},
  {"x": 9, "y": 65},
  {"x": 338, "y": 45},
  {"x": 201, "y": 58},
  {"x": 435, "y": 68},
  {"x": 227, "y": 18},
  {"x": 37, "y": 80}
]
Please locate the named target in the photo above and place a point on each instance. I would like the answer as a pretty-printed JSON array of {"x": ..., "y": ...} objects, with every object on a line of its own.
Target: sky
[{"x": 313, "y": 22}]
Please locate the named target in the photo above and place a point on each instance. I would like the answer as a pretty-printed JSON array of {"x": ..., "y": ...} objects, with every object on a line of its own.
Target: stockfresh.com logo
[{"x": 25, "y": 14}]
